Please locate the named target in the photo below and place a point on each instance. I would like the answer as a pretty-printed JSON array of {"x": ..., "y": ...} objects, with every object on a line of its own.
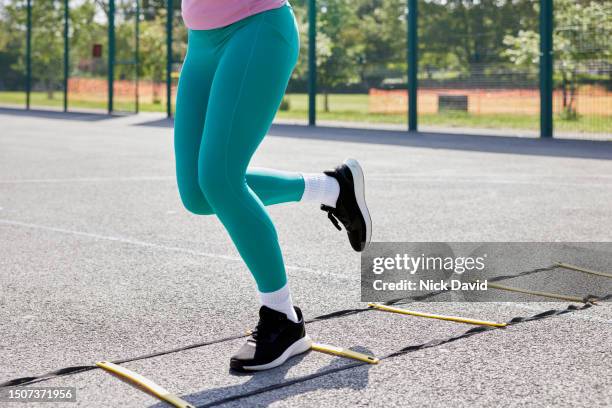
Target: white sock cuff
[
  {"x": 320, "y": 188},
  {"x": 279, "y": 296},
  {"x": 280, "y": 300}
]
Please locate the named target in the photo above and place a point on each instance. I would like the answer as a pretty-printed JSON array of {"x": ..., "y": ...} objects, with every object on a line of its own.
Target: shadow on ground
[
  {"x": 357, "y": 380},
  {"x": 53, "y": 114},
  {"x": 571, "y": 148},
  {"x": 574, "y": 148}
]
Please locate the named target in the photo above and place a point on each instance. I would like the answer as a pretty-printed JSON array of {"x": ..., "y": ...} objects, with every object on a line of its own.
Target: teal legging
[{"x": 231, "y": 85}]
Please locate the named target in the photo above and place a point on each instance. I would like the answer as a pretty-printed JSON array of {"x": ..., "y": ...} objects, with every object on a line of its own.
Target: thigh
[
  {"x": 247, "y": 89},
  {"x": 191, "y": 104}
]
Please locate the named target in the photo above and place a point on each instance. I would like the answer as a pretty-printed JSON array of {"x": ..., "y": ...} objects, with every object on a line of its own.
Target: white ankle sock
[
  {"x": 280, "y": 300},
  {"x": 320, "y": 188}
]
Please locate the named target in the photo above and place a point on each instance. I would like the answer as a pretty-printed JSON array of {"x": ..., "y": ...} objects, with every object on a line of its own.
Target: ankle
[
  {"x": 280, "y": 300},
  {"x": 320, "y": 188}
]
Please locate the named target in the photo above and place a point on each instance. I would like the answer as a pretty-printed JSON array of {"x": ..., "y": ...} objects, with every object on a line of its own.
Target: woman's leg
[
  {"x": 247, "y": 89},
  {"x": 252, "y": 61},
  {"x": 271, "y": 186},
  {"x": 191, "y": 104}
]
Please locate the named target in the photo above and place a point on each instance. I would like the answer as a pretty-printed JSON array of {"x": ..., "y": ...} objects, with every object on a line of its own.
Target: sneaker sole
[
  {"x": 359, "y": 183},
  {"x": 299, "y": 347}
]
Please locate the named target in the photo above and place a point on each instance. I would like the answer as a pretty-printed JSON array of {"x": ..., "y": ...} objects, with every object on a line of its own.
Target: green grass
[
  {"x": 41, "y": 100},
  {"x": 354, "y": 108},
  {"x": 349, "y": 108}
]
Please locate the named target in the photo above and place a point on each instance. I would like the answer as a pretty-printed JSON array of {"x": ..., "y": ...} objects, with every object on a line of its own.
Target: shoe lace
[
  {"x": 330, "y": 214},
  {"x": 261, "y": 330}
]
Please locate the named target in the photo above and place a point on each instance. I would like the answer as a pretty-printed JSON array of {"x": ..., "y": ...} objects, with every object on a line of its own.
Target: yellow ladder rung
[
  {"x": 536, "y": 293},
  {"x": 144, "y": 383},
  {"x": 435, "y": 316},
  {"x": 343, "y": 352},
  {"x": 583, "y": 270}
]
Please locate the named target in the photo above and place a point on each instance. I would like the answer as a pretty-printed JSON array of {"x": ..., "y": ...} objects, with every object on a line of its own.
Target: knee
[{"x": 196, "y": 203}]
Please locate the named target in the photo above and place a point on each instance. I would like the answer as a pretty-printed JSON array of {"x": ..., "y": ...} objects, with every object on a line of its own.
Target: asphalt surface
[{"x": 99, "y": 261}]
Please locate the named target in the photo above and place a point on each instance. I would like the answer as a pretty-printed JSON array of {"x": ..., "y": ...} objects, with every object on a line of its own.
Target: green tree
[
  {"x": 153, "y": 51},
  {"x": 341, "y": 43},
  {"x": 12, "y": 44},
  {"x": 88, "y": 26},
  {"x": 47, "y": 42},
  {"x": 300, "y": 72},
  {"x": 382, "y": 24}
]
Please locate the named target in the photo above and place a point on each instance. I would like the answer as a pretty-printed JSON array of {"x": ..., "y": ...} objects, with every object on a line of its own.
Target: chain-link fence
[
  {"x": 13, "y": 83},
  {"x": 583, "y": 67},
  {"x": 470, "y": 66},
  {"x": 47, "y": 49},
  {"x": 88, "y": 56},
  {"x": 467, "y": 75}
]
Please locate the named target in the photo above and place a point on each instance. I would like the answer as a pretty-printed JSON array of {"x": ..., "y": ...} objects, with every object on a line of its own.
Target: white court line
[
  {"x": 88, "y": 179},
  {"x": 236, "y": 259},
  {"x": 392, "y": 178},
  {"x": 437, "y": 174},
  {"x": 166, "y": 248}
]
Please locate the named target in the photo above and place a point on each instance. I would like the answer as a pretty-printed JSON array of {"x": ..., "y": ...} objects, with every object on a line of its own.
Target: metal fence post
[
  {"x": 546, "y": 68},
  {"x": 29, "y": 53},
  {"x": 412, "y": 64},
  {"x": 111, "y": 55},
  {"x": 169, "y": 16},
  {"x": 66, "y": 55},
  {"x": 312, "y": 62},
  {"x": 137, "y": 55}
]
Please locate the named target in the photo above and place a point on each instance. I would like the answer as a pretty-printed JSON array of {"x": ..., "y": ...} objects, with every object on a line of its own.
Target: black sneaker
[
  {"x": 351, "y": 209},
  {"x": 275, "y": 340}
]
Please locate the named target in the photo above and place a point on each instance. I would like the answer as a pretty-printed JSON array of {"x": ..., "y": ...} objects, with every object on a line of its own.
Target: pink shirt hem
[{"x": 209, "y": 14}]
